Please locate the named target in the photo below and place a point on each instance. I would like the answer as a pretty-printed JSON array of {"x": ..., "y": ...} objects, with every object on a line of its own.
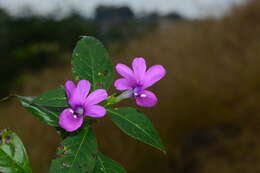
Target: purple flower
[
  {"x": 137, "y": 80},
  {"x": 81, "y": 104}
]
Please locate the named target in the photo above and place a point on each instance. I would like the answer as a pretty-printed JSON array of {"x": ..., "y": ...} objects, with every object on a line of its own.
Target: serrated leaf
[
  {"x": 45, "y": 114},
  {"x": 136, "y": 125},
  {"x": 107, "y": 165},
  {"x": 53, "y": 98},
  {"x": 13, "y": 157},
  {"x": 90, "y": 61},
  {"x": 77, "y": 154}
]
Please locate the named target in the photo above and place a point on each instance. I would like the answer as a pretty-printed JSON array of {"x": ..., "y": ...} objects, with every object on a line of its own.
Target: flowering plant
[{"x": 72, "y": 108}]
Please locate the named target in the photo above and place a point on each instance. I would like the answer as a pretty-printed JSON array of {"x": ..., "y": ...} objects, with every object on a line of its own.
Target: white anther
[
  {"x": 136, "y": 94},
  {"x": 143, "y": 95},
  {"x": 75, "y": 116}
]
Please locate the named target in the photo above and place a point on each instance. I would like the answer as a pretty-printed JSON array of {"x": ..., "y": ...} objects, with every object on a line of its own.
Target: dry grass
[
  {"x": 213, "y": 79},
  {"x": 209, "y": 109}
]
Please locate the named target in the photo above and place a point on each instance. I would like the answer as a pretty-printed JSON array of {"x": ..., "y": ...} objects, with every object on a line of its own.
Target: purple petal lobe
[
  {"x": 79, "y": 94},
  {"x": 96, "y": 97},
  {"x": 146, "y": 99},
  {"x": 95, "y": 111},
  {"x": 153, "y": 75},
  {"x": 125, "y": 71},
  {"x": 69, "y": 87},
  {"x": 83, "y": 88},
  {"x": 139, "y": 67},
  {"x": 123, "y": 84},
  {"x": 68, "y": 121}
]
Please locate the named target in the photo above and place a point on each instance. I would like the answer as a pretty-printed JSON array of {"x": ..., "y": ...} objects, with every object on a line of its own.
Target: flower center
[
  {"x": 138, "y": 92},
  {"x": 135, "y": 92},
  {"x": 79, "y": 111},
  {"x": 140, "y": 95}
]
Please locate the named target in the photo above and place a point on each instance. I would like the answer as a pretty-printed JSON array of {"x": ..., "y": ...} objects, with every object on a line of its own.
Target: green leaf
[
  {"x": 90, "y": 61},
  {"x": 107, "y": 165},
  {"x": 53, "y": 98},
  {"x": 13, "y": 157},
  {"x": 136, "y": 125},
  {"x": 77, "y": 154},
  {"x": 44, "y": 114}
]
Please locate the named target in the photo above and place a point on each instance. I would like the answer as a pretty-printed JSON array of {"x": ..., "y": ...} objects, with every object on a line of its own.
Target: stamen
[
  {"x": 136, "y": 94},
  {"x": 79, "y": 111},
  {"x": 75, "y": 116},
  {"x": 143, "y": 95}
]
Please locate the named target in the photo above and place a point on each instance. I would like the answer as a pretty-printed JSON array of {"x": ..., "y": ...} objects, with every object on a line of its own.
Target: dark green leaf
[
  {"x": 53, "y": 98},
  {"x": 44, "y": 114},
  {"x": 77, "y": 154},
  {"x": 90, "y": 61},
  {"x": 136, "y": 125},
  {"x": 13, "y": 157},
  {"x": 107, "y": 165}
]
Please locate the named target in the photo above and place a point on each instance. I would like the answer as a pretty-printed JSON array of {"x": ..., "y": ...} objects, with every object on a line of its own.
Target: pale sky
[{"x": 188, "y": 8}]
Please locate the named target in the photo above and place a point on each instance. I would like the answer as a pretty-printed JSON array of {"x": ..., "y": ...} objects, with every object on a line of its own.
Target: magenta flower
[
  {"x": 81, "y": 104},
  {"x": 137, "y": 80}
]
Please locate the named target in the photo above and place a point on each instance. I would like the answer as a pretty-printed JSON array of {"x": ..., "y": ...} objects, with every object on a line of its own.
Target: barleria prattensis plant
[{"x": 72, "y": 108}]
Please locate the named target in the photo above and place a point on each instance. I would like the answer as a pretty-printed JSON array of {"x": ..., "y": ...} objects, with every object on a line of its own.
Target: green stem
[{"x": 116, "y": 99}]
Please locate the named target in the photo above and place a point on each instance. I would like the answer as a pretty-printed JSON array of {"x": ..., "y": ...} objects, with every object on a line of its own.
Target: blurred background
[{"x": 209, "y": 103}]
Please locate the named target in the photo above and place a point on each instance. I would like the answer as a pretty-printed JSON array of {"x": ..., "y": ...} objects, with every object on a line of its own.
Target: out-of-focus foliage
[{"x": 31, "y": 42}]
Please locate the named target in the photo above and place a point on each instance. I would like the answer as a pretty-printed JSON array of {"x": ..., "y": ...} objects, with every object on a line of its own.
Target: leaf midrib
[
  {"x": 135, "y": 126},
  {"x": 79, "y": 148},
  {"x": 53, "y": 98},
  {"x": 92, "y": 69},
  {"x": 92, "y": 66},
  {"x": 102, "y": 164}
]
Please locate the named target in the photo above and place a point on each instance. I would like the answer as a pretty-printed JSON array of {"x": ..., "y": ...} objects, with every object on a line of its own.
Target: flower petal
[
  {"x": 153, "y": 75},
  {"x": 139, "y": 67},
  {"x": 95, "y": 111},
  {"x": 69, "y": 87},
  {"x": 68, "y": 122},
  {"x": 79, "y": 94},
  {"x": 83, "y": 88},
  {"x": 125, "y": 71},
  {"x": 96, "y": 97},
  {"x": 146, "y": 99},
  {"x": 123, "y": 84}
]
